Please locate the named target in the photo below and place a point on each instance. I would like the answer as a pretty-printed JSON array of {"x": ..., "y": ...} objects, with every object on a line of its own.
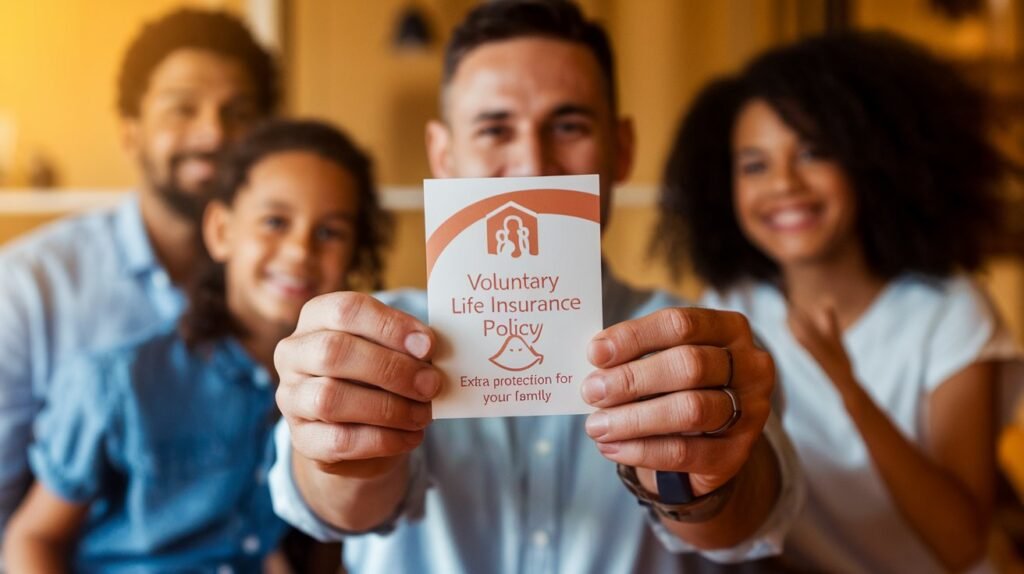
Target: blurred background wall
[{"x": 59, "y": 60}]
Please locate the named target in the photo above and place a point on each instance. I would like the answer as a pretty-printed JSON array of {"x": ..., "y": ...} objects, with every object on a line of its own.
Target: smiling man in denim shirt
[{"x": 191, "y": 82}]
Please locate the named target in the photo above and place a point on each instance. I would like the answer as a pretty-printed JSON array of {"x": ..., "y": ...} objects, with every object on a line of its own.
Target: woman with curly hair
[{"x": 837, "y": 192}]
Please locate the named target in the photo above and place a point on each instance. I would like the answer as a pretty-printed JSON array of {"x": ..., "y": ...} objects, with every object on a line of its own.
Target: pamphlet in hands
[{"x": 514, "y": 292}]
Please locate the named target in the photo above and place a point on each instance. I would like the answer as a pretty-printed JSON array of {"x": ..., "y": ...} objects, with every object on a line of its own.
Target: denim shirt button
[
  {"x": 260, "y": 377},
  {"x": 540, "y": 538},
  {"x": 251, "y": 544},
  {"x": 225, "y": 569}
]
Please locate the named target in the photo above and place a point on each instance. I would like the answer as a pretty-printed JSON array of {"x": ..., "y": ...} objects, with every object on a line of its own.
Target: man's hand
[
  {"x": 657, "y": 382},
  {"x": 355, "y": 385}
]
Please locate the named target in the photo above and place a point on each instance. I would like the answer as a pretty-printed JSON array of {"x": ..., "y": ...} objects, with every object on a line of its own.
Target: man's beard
[{"x": 187, "y": 204}]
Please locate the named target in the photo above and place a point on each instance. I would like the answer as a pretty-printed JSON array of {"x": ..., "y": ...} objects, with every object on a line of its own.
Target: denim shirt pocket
[{"x": 194, "y": 478}]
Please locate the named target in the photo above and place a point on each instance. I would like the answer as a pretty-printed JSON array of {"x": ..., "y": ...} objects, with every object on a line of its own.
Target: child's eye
[
  {"x": 332, "y": 234},
  {"x": 273, "y": 222},
  {"x": 751, "y": 167},
  {"x": 182, "y": 110}
]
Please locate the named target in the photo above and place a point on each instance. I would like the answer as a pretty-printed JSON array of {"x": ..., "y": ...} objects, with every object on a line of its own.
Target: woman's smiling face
[{"x": 794, "y": 204}]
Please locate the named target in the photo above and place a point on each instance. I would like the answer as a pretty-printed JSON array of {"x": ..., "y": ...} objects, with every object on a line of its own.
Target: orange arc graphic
[{"x": 542, "y": 201}]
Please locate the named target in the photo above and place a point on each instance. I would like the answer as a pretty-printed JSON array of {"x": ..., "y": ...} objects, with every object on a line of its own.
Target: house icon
[{"x": 512, "y": 231}]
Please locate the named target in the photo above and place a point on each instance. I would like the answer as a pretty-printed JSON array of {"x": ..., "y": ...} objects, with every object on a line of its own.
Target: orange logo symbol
[
  {"x": 516, "y": 355},
  {"x": 512, "y": 231}
]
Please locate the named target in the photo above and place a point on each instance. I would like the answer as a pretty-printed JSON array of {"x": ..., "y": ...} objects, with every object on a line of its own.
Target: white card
[{"x": 514, "y": 292}]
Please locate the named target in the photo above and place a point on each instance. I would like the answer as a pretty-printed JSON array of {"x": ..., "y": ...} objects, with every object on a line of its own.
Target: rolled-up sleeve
[
  {"x": 70, "y": 455},
  {"x": 769, "y": 538},
  {"x": 18, "y": 405},
  {"x": 292, "y": 507}
]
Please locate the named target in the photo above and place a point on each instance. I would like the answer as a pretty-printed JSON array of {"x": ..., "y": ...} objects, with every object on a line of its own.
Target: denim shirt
[
  {"x": 170, "y": 447},
  {"x": 81, "y": 283},
  {"x": 529, "y": 495}
]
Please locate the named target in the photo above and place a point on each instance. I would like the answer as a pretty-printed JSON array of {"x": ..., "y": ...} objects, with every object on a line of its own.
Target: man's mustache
[{"x": 179, "y": 158}]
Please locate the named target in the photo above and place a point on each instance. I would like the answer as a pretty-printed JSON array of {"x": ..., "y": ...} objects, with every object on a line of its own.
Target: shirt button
[
  {"x": 542, "y": 447},
  {"x": 260, "y": 476},
  {"x": 161, "y": 279},
  {"x": 540, "y": 538},
  {"x": 260, "y": 377},
  {"x": 225, "y": 569},
  {"x": 251, "y": 544}
]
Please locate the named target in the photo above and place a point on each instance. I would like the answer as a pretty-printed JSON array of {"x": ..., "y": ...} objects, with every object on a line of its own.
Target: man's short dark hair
[
  {"x": 189, "y": 28},
  {"x": 509, "y": 19}
]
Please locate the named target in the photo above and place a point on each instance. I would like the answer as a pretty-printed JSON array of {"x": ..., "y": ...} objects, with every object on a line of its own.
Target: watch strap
[
  {"x": 674, "y": 487},
  {"x": 699, "y": 508}
]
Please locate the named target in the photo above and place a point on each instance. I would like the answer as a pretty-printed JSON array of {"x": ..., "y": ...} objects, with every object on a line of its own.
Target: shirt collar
[
  {"x": 134, "y": 242},
  {"x": 231, "y": 359}
]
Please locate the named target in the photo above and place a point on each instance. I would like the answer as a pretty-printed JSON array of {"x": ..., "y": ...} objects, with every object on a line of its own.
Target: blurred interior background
[{"x": 373, "y": 68}]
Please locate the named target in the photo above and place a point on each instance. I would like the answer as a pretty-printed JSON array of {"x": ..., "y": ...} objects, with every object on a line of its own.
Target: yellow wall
[
  {"x": 59, "y": 58},
  {"x": 58, "y": 67},
  {"x": 344, "y": 69}
]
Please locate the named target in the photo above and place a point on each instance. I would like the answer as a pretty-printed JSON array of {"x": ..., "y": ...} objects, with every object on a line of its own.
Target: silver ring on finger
[
  {"x": 728, "y": 355},
  {"x": 736, "y": 413}
]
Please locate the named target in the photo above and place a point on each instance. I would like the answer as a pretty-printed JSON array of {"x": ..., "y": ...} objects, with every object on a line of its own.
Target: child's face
[
  {"x": 792, "y": 203},
  {"x": 289, "y": 236}
]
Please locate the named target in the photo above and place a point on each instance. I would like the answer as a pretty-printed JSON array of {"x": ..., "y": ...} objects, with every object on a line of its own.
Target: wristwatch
[{"x": 676, "y": 501}]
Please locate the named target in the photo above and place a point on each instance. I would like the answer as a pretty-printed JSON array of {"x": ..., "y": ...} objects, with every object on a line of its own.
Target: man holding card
[{"x": 681, "y": 395}]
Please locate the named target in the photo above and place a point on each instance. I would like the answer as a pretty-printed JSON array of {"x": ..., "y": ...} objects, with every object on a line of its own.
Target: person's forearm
[
  {"x": 30, "y": 554},
  {"x": 361, "y": 496},
  {"x": 951, "y": 522},
  {"x": 753, "y": 497}
]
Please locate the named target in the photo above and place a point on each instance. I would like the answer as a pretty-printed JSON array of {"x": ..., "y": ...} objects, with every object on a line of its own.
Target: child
[
  {"x": 153, "y": 456},
  {"x": 835, "y": 193}
]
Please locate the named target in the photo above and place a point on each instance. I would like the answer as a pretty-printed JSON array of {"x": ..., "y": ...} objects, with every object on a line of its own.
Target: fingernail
[
  {"x": 594, "y": 389},
  {"x": 601, "y": 351},
  {"x": 427, "y": 383},
  {"x": 418, "y": 344},
  {"x": 421, "y": 417},
  {"x": 608, "y": 447},
  {"x": 597, "y": 425}
]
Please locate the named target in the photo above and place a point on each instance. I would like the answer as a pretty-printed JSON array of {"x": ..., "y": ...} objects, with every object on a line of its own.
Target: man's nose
[
  {"x": 209, "y": 131},
  {"x": 528, "y": 157}
]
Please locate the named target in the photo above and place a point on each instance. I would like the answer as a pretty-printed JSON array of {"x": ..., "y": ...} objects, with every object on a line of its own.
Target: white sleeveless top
[{"x": 916, "y": 335}]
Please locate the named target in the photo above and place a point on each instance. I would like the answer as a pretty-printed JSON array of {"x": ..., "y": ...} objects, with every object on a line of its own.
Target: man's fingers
[
  {"x": 334, "y": 401},
  {"x": 361, "y": 315},
  {"x": 667, "y": 328},
  {"x": 340, "y": 355},
  {"x": 678, "y": 368},
  {"x": 333, "y": 443},
  {"x": 682, "y": 412},
  {"x": 697, "y": 455}
]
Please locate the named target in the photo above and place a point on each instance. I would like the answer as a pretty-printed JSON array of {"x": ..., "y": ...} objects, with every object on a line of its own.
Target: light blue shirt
[
  {"x": 170, "y": 448},
  {"x": 525, "y": 495},
  {"x": 82, "y": 283}
]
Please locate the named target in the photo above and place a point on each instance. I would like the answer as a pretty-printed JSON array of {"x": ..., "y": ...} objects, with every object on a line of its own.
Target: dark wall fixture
[{"x": 412, "y": 30}]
